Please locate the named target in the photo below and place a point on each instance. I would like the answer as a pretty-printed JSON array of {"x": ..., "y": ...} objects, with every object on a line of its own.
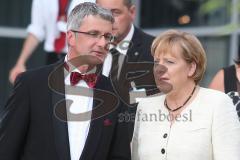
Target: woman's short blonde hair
[{"x": 192, "y": 50}]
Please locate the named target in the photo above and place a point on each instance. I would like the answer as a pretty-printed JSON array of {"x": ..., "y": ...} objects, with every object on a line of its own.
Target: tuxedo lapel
[
  {"x": 59, "y": 116},
  {"x": 95, "y": 129},
  {"x": 94, "y": 135},
  {"x": 102, "y": 92}
]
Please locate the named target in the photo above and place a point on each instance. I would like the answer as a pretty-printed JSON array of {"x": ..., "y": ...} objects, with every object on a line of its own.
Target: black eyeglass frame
[{"x": 93, "y": 35}]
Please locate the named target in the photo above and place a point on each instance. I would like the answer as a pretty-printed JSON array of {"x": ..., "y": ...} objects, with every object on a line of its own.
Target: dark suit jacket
[
  {"x": 33, "y": 125},
  {"x": 138, "y": 68},
  {"x": 141, "y": 44}
]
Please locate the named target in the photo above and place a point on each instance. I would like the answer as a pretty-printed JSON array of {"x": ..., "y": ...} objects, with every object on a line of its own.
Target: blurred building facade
[{"x": 214, "y": 22}]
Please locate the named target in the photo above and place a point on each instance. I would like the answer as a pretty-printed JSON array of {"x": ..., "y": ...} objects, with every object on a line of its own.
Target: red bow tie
[{"x": 90, "y": 79}]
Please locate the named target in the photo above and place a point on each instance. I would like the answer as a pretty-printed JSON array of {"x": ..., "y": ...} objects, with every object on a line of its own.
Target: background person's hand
[{"x": 15, "y": 71}]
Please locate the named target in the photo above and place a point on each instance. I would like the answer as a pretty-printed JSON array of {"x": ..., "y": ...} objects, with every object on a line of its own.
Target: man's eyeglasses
[{"x": 97, "y": 35}]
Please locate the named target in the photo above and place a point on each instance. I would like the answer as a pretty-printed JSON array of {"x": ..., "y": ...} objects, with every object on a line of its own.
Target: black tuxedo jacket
[
  {"x": 138, "y": 68},
  {"x": 33, "y": 126}
]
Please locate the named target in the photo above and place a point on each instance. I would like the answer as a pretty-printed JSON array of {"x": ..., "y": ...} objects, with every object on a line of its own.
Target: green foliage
[{"x": 211, "y": 6}]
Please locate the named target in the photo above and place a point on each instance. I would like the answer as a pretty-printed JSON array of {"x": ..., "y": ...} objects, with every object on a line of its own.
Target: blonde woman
[{"x": 188, "y": 122}]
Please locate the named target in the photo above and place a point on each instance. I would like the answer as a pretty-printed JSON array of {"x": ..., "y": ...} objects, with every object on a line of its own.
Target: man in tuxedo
[
  {"x": 68, "y": 110},
  {"x": 132, "y": 62}
]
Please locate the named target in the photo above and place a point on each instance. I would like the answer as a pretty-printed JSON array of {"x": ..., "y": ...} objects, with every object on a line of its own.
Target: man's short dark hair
[{"x": 128, "y": 3}]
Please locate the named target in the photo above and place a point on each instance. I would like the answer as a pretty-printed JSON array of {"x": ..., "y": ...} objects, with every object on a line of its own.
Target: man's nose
[{"x": 102, "y": 42}]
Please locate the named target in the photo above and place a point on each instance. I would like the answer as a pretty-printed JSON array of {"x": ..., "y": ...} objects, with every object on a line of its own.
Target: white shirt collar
[
  {"x": 121, "y": 47},
  {"x": 71, "y": 68}
]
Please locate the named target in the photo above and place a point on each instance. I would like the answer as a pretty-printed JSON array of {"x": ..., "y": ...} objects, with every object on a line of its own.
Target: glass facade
[
  {"x": 184, "y": 13},
  {"x": 14, "y": 13},
  {"x": 217, "y": 49},
  {"x": 212, "y": 21}
]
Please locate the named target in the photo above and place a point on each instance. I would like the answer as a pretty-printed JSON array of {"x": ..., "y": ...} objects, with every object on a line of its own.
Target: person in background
[
  {"x": 48, "y": 24},
  {"x": 227, "y": 81},
  {"x": 68, "y": 110},
  {"x": 129, "y": 63},
  {"x": 188, "y": 121}
]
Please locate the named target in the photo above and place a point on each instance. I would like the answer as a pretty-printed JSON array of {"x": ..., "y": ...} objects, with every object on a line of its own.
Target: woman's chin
[{"x": 164, "y": 87}]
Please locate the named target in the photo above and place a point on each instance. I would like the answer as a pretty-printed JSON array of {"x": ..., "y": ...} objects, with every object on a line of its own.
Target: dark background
[{"x": 14, "y": 13}]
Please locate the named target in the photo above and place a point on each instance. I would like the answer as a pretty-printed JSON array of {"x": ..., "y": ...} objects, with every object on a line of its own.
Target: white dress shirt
[
  {"x": 122, "y": 48},
  {"x": 207, "y": 129},
  {"x": 77, "y": 130},
  {"x": 43, "y": 25}
]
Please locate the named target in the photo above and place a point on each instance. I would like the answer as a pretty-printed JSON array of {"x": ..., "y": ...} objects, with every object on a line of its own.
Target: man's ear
[
  {"x": 192, "y": 69},
  {"x": 132, "y": 11},
  {"x": 71, "y": 38}
]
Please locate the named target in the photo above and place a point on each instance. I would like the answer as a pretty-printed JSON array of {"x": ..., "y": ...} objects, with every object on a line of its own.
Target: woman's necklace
[{"x": 173, "y": 110}]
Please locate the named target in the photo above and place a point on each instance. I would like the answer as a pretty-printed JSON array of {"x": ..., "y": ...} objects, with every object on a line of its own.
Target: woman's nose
[{"x": 160, "y": 69}]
